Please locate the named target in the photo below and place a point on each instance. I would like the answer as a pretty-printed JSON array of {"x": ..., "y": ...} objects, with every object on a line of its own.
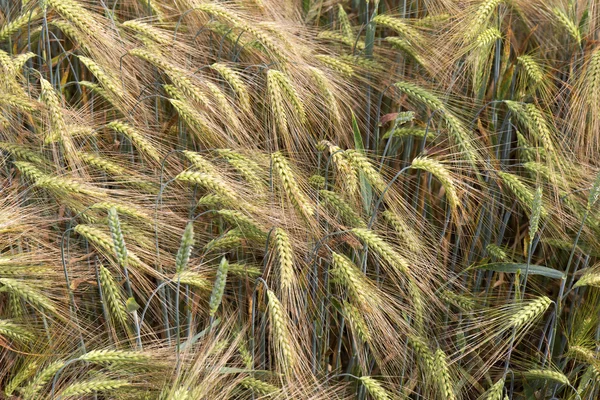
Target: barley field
[{"x": 300, "y": 199}]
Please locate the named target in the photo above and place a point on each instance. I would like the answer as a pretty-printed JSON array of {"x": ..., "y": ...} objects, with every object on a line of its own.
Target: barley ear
[
  {"x": 185, "y": 248},
  {"x": 219, "y": 287}
]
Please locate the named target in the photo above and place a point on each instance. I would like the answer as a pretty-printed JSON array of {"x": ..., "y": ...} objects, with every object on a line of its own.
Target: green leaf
[
  {"x": 514, "y": 267},
  {"x": 131, "y": 305},
  {"x": 358, "y": 142}
]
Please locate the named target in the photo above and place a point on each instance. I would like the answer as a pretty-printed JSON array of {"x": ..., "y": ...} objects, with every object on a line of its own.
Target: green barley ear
[
  {"x": 423, "y": 354},
  {"x": 280, "y": 333},
  {"x": 117, "y": 236},
  {"x": 336, "y": 64},
  {"x": 399, "y": 25},
  {"x": 341, "y": 38},
  {"x": 345, "y": 25},
  {"x": 547, "y": 375},
  {"x": 438, "y": 170},
  {"x": 481, "y": 17},
  {"x": 523, "y": 193},
  {"x": 495, "y": 392},
  {"x": 113, "y": 296},
  {"x": 190, "y": 116},
  {"x": 375, "y": 388},
  {"x": 532, "y": 68},
  {"x": 230, "y": 240},
  {"x": 594, "y": 192},
  {"x": 21, "y": 22},
  {"x": 405, "y": 232},
  {"x": 381, "y": 247},
  {"x": 74, "y": 13},
  {"x": 136, "y": 137},
  {"x": 317, "y": 181},
  {"x": 590, "y": 278},
  {"x": 219, "y": 287},
  {"x": 250, "y": 170},
  {"x": 357, "y": 323},
  {"x": 104, "y": 242},
  {"x": 57, "y": 122},
  {"x": 443, "y": 375},
  {"x": 277, "y": 104},
  {"x": 345, "y": 172},
  {"x": 94, "y": 385},
  {"x": 235, "y": 81},
  {"x": 185, "y": 248},
  {"x": 147, "y": 30},
  {"x": 24, "y": 373},
  {"x": 103, "y": 77},
  {"x": 285, "y": 258},
  {"x": 422, "y": 95},
  {"x": 362, "y": 163},
  {"x": 209, "y": 182},
  {"x": 259, "y": 387},
  {"x": 102, "y": 164},
  {"x": 567, "y": 24},
  {"x": 31, "y": 391},
  {"x": 351, "y": 277},
  {"x": 244, "y": 223},
  {"x": 529, "y": 312},
  {"x": 14, "y": 331},
  {"x": 200, "y": 162},
  {"x": 536, "y": 211},
  {"x": 27, "y": 293},
  {"x": 337, "y": 203},
  {"x": 487, "y": 37},
  {"x": 290, "y": 186},
  {"x": 192, "y": 278},
  {"x": 115, "y": 357},
  {"x": 22, "y": 152}
]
